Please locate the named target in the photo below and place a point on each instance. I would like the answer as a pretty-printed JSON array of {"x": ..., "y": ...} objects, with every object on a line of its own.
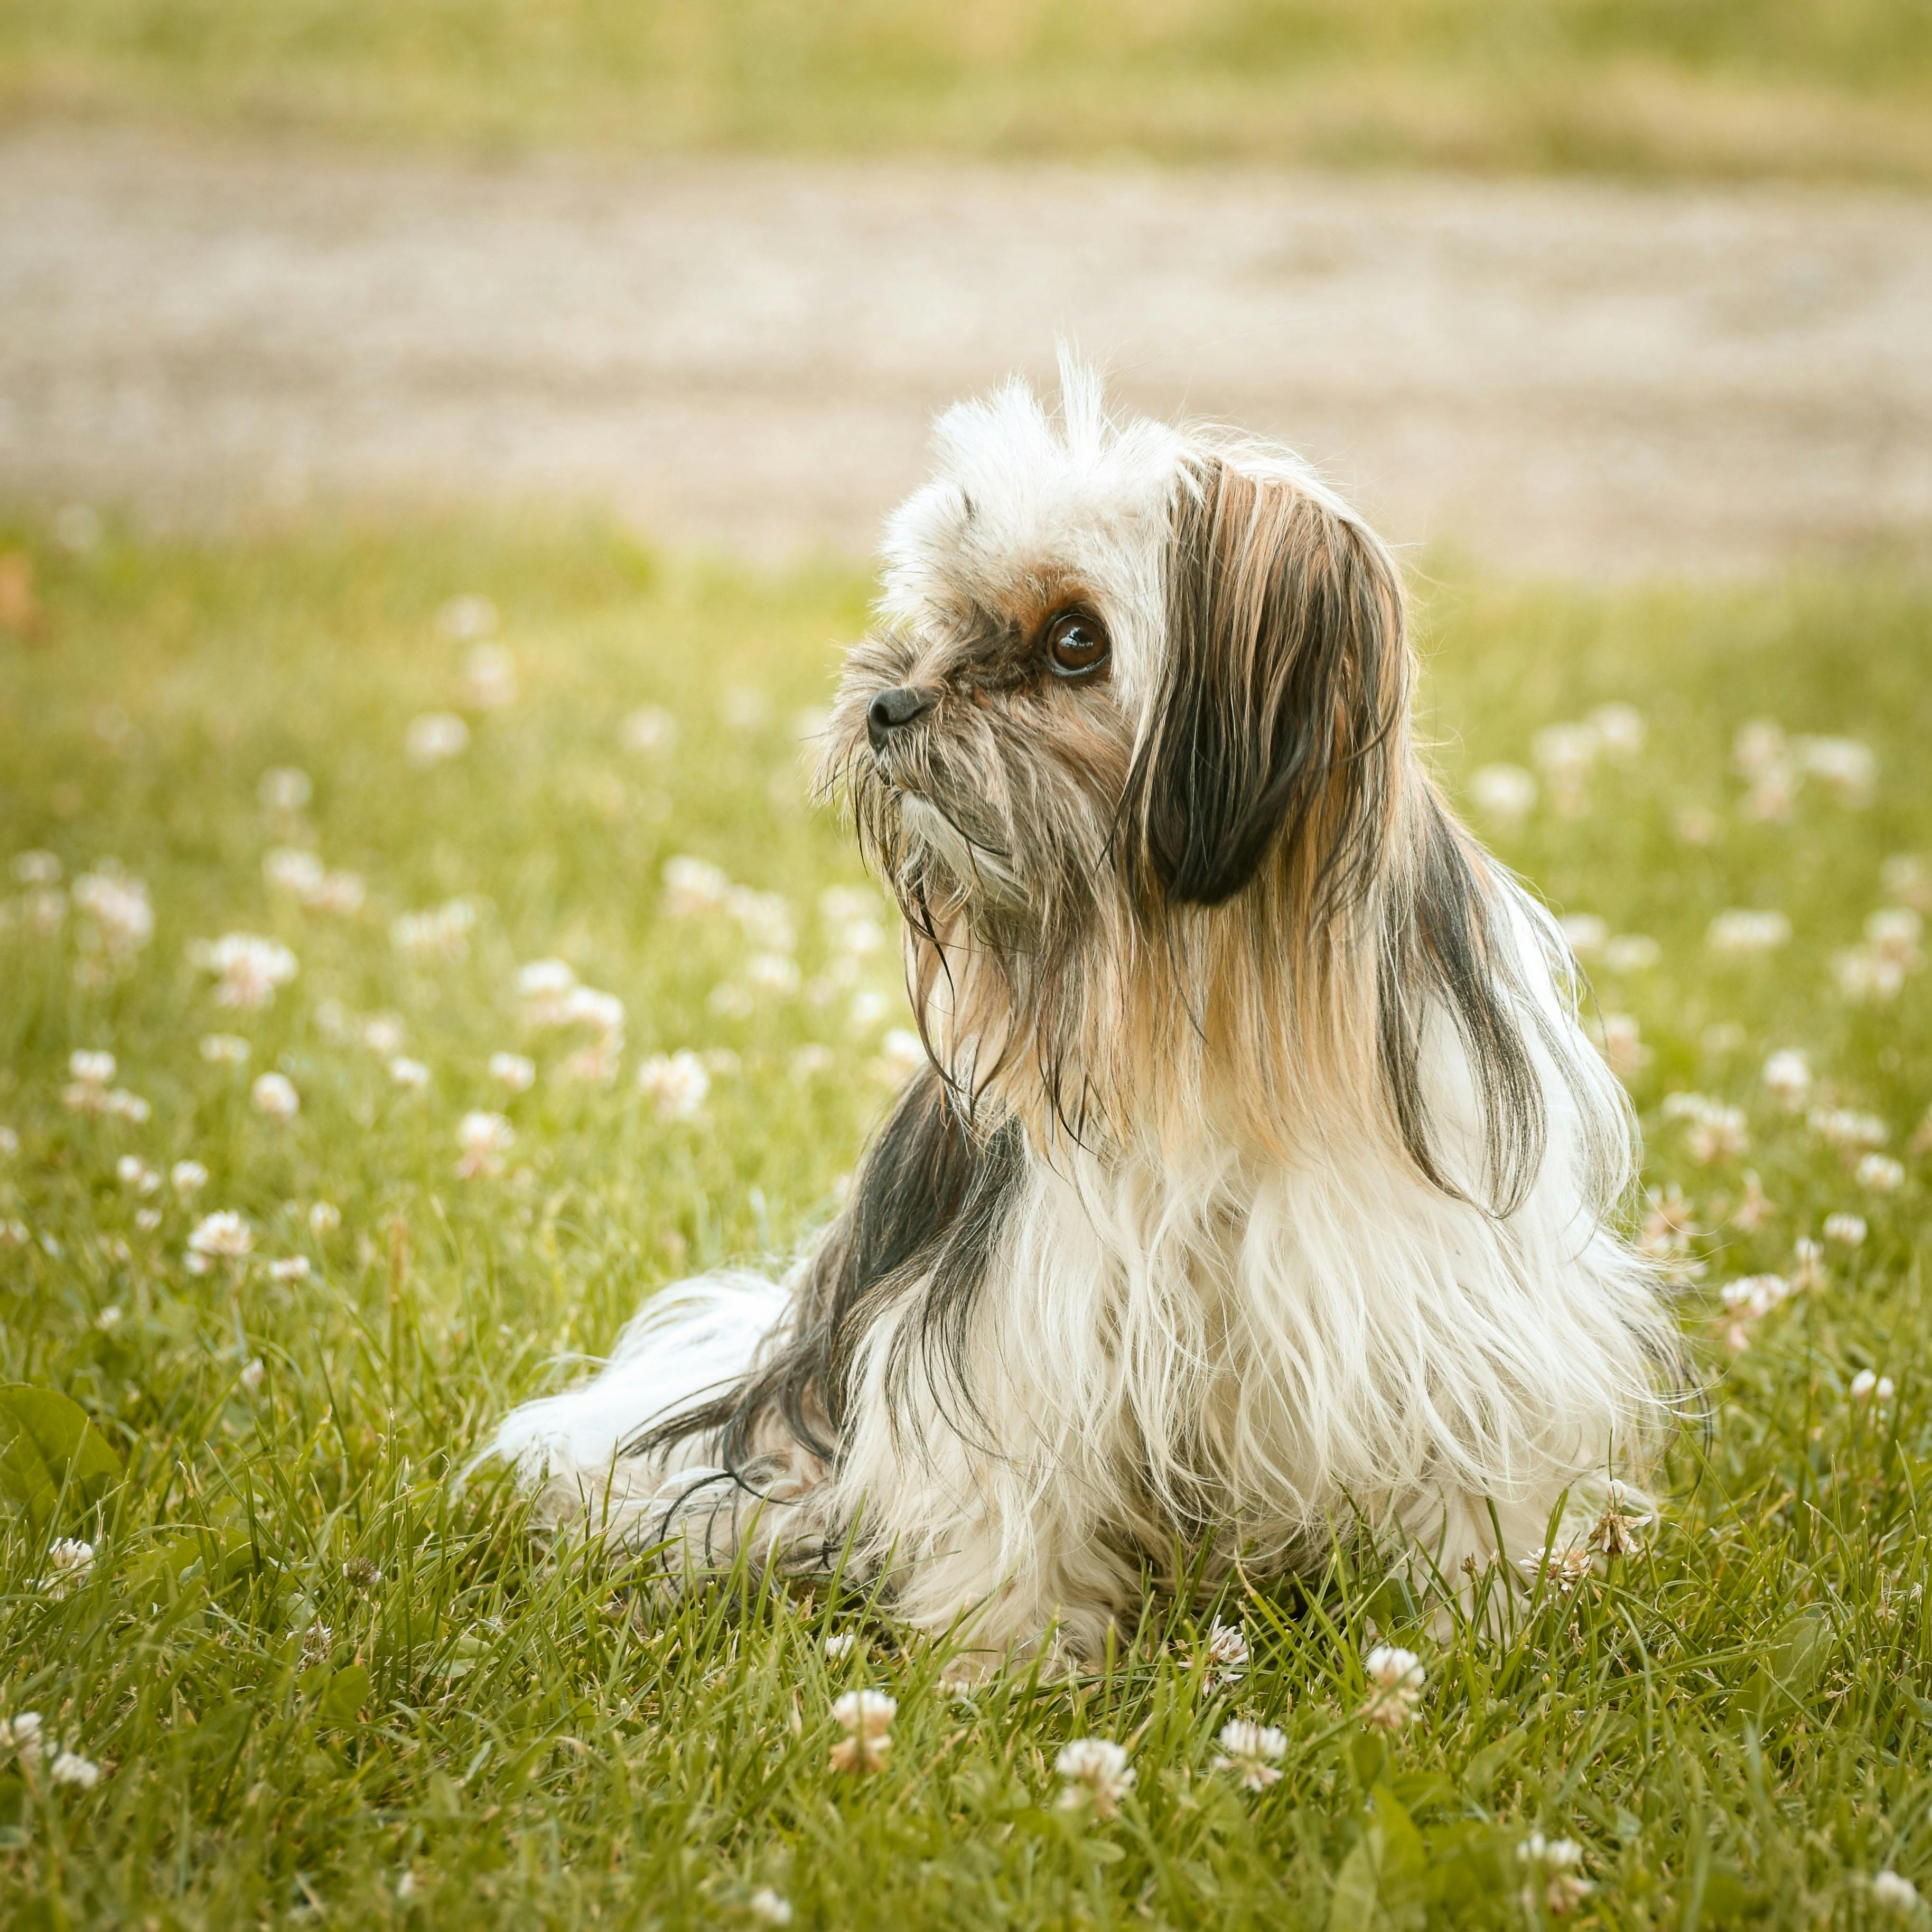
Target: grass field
[
  {"x": 1823, "y": 89},
  {"x": 316, "y": 1678}
]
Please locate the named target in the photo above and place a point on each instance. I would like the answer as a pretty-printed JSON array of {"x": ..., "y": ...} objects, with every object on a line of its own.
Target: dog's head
[{"x": 1130, "y": 687}]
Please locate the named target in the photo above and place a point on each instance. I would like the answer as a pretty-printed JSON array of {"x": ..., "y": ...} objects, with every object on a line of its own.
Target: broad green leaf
[
  {"x": 48, "y": 1448},
  {"x": 348, "y": 1691},
  {"x": 1381, "y": 1887}
]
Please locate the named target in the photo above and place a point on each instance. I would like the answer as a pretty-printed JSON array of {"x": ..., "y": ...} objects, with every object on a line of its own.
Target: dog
[{"x": 1261, "y": 1190}]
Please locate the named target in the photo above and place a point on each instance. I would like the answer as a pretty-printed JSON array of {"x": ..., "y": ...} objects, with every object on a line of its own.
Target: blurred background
[{"x": 1594, "y": 287}]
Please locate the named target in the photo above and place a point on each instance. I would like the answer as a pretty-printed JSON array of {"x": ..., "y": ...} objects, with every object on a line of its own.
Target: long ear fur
[{"x": 1285, "y": 679}]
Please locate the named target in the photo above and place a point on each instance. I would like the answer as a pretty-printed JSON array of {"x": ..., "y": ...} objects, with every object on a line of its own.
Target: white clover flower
[
  {"x": 434, "y": 737},
  {"x": 1905, "y": 876},
  {"x": 1395, "y": 1678},
  {"x": 858, "y": 938},
  {"x": 1759, "y": 750},
  {"x": 544, "y": 986},
  {"x": 71, "y": 1767},
  {"x": 1895, "y": 1892},
  {"x": 1619, "y": 1529},
  {"x": 1894, "y": 932},
  {"x": 274, "y": 1095},
  {"x": 90, "y": 1069},
  {"x": 290, "y": 1267},
  {"x": 1787, "y": 1078},
  {"x": 187, "y": 1178},
  {"x": 1555, "y": 1865},
  {"x": 148, "y": 1219},
  {"x": 766, "y": 919},
  {"x": 339, "y": 893},
  {"x": 1718, "y": 1133},
  {"x": 1754, "y": 1296},
  {"x": 839, "y": 1645},
  {"x": 603, "y": 1012},
  {"x": 489, "y": 678},
  {"x": 1843, "y": 1128},
  {"x": 70, "y": 1560},
  {"x": 1225, "y": 1653},
  {"x": 1504, "y": 794},
  {"x": 1620, "y": 730},
  {"x": 1631, "y": 953},
  {"x": 10, "y": 1144},
  {"x": 284, "y": 789},
  {"x": 902, "y": 1053},
  {"x": 36, "y": 868},
  {"x": 1562, "y": 1569},
  {"x": 1565, "y": 754},
  {"x": 1625, "y": 1052},
  {"x": 1847, "y": 1230},
  {"x": 466, "y": 617},
  {"x": 324, "y": 1218},
  {"x": 1742, "y": 934},
  {"x": 1586, "y": 932},
  {"x": 1880, "y": 1173},
  {"x": 1253, "y": 1752},
  {"x": 1867, "y": 976},
  {"x": 484, "y": 1138},
  {"x": 134, "y": 1173},
  {"x": 866, "y": 1718},
  {"x": 773, "y": 973},
  {"x": 223, "y": 1235},
  {"x": 1097, "y": 1772},
  {"x": 838, "y": 905},
  {"x": 513, "y": 1071},
  {"x": 24, "y": 1734},
  {"x": 408, "y": 1073},
  {"x": 648, "y": 731},
  {"x": 44, "y": 910},
  {"x": 224, "y": 1049},
  {"x": 384, "y": 1033},
  {"x": 252, "y": 1373},
  {"x": 693, "y": 885},
  {"x": 771, "y": 1907},
  {"x": 677, "y": 1082},
  {"x": 292, "y": 869},
  {"x": 248, "y": 969},
  {"x": 1868, "y": 1386},
  {"x": 867, "y": 1010},
  {"x": 1807, "y": 1269},
  {"x": 442, "y": 933},
  {"x": 120, "y": 921},
  {"x": 1847, "y": 767}
]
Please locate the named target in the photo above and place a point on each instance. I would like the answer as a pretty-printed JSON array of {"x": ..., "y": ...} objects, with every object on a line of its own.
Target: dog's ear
[{"x": 1284, "y": 680}]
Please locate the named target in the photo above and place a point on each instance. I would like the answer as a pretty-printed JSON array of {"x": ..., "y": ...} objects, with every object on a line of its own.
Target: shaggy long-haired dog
[{"x": 1257, "y": 1192}]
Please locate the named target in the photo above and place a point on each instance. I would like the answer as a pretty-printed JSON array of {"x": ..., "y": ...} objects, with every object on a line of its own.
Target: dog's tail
[{"x": 692, "y": 1342}]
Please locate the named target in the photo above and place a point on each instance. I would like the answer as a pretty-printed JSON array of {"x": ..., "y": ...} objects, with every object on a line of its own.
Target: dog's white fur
[{"x": 1182, "y": 1330}]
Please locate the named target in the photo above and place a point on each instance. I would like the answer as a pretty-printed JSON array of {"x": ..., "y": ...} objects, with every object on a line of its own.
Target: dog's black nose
[{"x": 898, "y": 705}]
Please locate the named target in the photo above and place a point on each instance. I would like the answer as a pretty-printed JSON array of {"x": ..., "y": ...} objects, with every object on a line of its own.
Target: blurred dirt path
[{"x": 1555, "y": 375}]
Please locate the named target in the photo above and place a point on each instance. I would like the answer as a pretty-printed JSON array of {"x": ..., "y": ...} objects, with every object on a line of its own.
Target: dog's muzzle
[{"x": 891, "y": 710}]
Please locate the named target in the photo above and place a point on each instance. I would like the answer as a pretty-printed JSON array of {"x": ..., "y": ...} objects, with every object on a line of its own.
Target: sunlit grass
[
  {"x": 1806, "y": 88},
  {"x": 320, "y": 1676}
]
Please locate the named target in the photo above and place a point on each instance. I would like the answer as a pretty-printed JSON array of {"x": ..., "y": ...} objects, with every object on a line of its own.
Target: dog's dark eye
[{"x": 1076, "y": 644}]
